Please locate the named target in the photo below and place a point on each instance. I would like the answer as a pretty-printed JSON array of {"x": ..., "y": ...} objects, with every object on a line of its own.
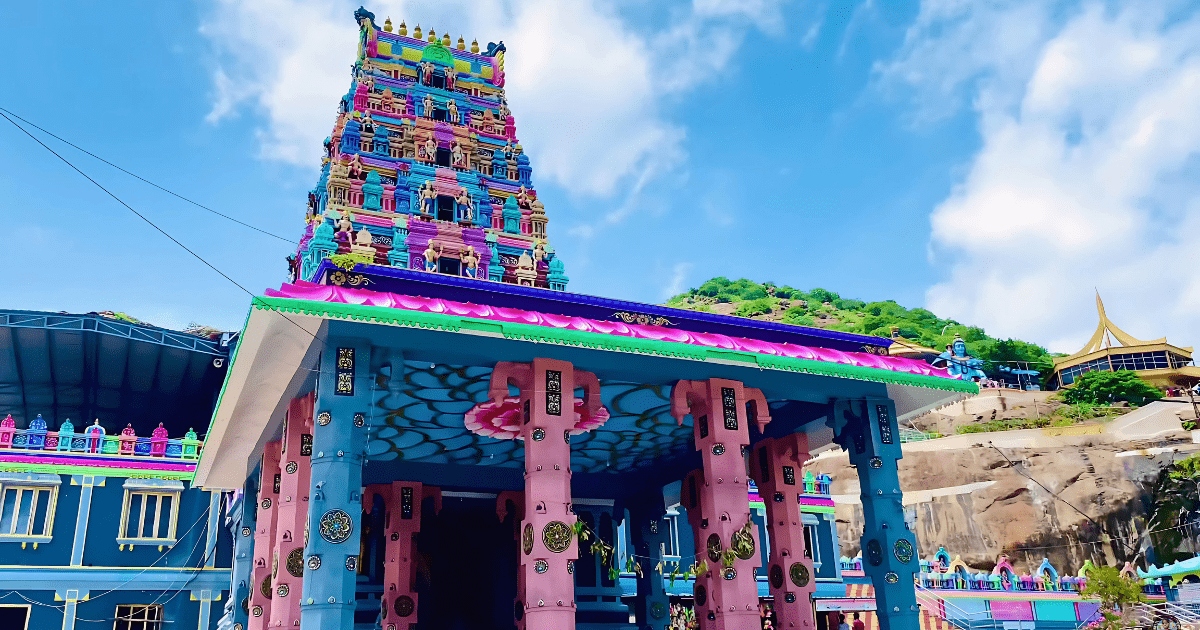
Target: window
[
  {"x": 450, "y": 266},
  {"x": 14, "y": 616},
  {"x": 149, "y": 513},
  {"x": 138, "y": 617},
  {"x": 442, "y": 158},
  {"x": 445, "y": 207},
  {"x": 27, "y": 504}
]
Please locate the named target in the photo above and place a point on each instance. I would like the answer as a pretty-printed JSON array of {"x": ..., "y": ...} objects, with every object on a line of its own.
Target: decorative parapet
[{"x": 95, "y": 452}]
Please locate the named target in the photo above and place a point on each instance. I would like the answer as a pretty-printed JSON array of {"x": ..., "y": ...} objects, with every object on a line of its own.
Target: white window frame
[
  {"x": 28, "y": 613},
  {"x": 130, "y": 614},
  {"x": 160, "y": 490},
  {"x": 36, "y": 483}
]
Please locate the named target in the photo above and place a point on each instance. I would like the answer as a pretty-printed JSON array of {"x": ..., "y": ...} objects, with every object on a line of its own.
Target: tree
[
  {"x": 1116, "y": 593},
  {"x": 1106, "y": 388}
]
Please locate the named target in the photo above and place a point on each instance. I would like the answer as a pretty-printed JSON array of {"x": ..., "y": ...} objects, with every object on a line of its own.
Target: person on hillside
[
  {"x": 842, "y": 625},
  {"x": 858, "y": 623}
]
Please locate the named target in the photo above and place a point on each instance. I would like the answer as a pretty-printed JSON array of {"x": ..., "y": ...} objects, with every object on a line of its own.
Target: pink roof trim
[{"x": 308, "y": 291}]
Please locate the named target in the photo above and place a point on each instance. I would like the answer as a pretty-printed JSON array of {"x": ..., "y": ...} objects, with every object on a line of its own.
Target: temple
[
  {"x": 100, "y": 524},
  {"x": 1157, "y": 362},
  {"x": 425, "y": 430},
  {"x": 423, "y": 171}
]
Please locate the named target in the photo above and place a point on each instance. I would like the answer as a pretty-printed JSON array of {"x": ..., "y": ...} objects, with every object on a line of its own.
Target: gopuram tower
[{"x": 423, "y": 169}]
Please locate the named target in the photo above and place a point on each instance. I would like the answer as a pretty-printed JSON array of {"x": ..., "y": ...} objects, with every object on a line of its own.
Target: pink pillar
[
  {"x": 548, "y": 542},
  {"x": 716, "y": 499},
  {"x": 401, "y": 526},
  {"x": 292, "y": 514},
  {"x": 264, "y": 539},
  {"x": 776, "y": 465}
]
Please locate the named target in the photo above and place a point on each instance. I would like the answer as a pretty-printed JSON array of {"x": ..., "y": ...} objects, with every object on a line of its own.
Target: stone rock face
[{"x": 965, "y": 496}]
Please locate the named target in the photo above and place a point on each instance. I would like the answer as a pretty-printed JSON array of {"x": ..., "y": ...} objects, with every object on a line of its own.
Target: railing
[
  {"x": 960, "y": 581},
  {"x": 955, "y": 615},
  {"x": 33, "y": 440},
  {"x": 1159, "y": 614},
  {"x": 909, "y": 434}
]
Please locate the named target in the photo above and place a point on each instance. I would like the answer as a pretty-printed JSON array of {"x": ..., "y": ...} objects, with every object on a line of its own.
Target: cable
[
  {"x": 143, "y": 179},
  {"x": 254, "y": 298}
]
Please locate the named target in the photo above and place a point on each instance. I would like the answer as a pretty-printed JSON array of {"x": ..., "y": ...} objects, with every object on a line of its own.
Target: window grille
[
  {"x": 149, "y": 513},
  {"x": 139, "y": 617},
  {"x": 27, "y": 511}
]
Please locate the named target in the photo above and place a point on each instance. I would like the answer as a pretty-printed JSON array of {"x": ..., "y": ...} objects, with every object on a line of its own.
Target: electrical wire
[{"x": 143, "y": 179}]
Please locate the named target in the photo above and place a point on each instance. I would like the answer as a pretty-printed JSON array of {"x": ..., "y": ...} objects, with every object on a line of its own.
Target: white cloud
[
  {"x": 1086, "y": 175},
  {"x": 678, "y": 282},
  {"x": 585, "y": 86}
]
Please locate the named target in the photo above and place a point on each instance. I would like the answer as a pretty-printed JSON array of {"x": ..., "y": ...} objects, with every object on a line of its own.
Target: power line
[{"x": 142, "y": 179}]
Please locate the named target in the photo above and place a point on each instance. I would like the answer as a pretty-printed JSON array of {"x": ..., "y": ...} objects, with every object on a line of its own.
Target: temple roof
[{"x": 1102, "y": 339}]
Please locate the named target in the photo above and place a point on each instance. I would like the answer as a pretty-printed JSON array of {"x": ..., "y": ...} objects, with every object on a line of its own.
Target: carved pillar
[
  {"x": 548, "y": 543},
  {"x": 292, "y": 514},
  {"x": 867, "y": 430},
  {"x": 776, "y": 465},
  {"x": 716, "y": 499},
  {"x": 241, "y": 580},
  {"x": 650, "y": 533},
  {"x": 261, "y": 589},
  {"x": 402, "y": 523},
  {"x": 335, "y": 495}
]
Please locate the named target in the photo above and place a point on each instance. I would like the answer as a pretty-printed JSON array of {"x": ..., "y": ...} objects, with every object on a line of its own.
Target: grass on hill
[{"x": 821, "y": 308}]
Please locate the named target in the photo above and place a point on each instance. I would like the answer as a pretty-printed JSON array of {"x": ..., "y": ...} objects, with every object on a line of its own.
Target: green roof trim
[
  {"x": 600, "y": 341},
  {"x": 98, "y": 471}
]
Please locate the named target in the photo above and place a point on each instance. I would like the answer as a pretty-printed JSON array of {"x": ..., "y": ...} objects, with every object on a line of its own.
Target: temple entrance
[{"x": 473, "y": 567}]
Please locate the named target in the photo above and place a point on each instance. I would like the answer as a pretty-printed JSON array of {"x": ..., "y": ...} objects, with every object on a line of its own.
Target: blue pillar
[
  {"x": 243, "y": 524},
  {"x": 867, "y": 430},
  {"x": 335, "y": 503},
  {"x": 650, "y": 533},
  {"x": 87, "y": 482}
]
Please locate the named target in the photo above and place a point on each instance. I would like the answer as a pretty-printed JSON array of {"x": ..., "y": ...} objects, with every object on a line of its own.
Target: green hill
[{"x": 825, "y": 309}]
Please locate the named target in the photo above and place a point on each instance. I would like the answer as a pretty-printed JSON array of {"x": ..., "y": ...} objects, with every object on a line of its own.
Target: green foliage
[
  {"x": 347, "y": 261},
  {"x": 1105, "y": 388},
  {"x": 1174, "y": 497},
  {"x": 750, "y": 308},
  {"x": 1115, "y": 592},
  {"x": 1063, "y": 416},
  {"x": 797, "y": 316}
]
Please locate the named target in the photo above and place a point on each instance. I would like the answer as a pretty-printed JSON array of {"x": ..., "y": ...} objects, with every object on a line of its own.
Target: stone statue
[
  {"x": 451, "y": 77},
  {"x": 431, "y": 256},
  {"x": 427, "y": 72},
  {"x": 960, "y": 364},
  {"x": 428, "y": 199},
  {"x": 526, "y": 272},
  {"x": 470, "y": 262},
  {"x": 430, "y": 148},
  {"x": 428, "y": 105},
  {"x": 356, "y": 167},
  {"x": 345, "y": 227},
  {"x": 457, "y": 157},
  {"x": 539, "y": 252},
  {"x": 522, "y": 197},
  {"x": 452, "y": 111},
  {"x": 464, "y": 200}
]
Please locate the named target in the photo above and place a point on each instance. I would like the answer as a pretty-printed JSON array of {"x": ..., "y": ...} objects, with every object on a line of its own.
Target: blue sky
[{"x": 995, "y": 162}]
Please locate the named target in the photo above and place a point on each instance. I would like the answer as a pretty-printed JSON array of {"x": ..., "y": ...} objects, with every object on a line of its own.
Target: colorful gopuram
[
  {"x": 427, "y": 431},
  {"x": 423, "y": 171},
  {"x": 100, "y": 525}
]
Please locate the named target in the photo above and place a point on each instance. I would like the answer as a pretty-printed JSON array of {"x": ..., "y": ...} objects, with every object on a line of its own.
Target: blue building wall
[{"x": 79, "y": 577}]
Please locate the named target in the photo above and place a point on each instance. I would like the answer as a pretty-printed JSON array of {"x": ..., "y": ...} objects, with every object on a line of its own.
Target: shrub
[
  {"x": 1106, "y": 388},
  {"x": 751, "y": 308}
]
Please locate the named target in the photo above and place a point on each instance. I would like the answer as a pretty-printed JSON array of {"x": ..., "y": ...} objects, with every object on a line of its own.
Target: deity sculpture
[
  {"x": 428, "y": 199},
  {"x": 451, "y": 111},
  {"x": 523, "y": 197},
  {"x": 431, "y": 255},
  {"x": 356, "y": 167},
  {"x": 451, "y": 77},
  {"x": 427, "y": 72},
  {"x": 428, "y": 105},
  {"x": 430, "y": 148},
  {"x": 470, "y": 262},
  {"x": 346, "y": 228},
  {"x": 539, "y": 252},
  {"x": 960, "y": 364},
  {"x": 464, "y": 200},
  {"x": 458, "y": 159}
]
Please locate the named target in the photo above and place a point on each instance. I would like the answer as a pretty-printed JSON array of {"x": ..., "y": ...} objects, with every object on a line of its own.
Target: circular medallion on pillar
[
  {"x": 352, "y": 563},
  {"x": 729, "y": 573},
  {"x": 359, "y": 420},
  {"x": 718, "y": 449},
  {"x": 527, "y": 539},
  {"x": 246, "y": 605},
  {"x": 789, "y": 597},
  {"x": 246, "y": 531},
  {"x": 701, "y": 594},
  {"x": 658, "y": 610},
  {"x": 314, "y": 562},
  {"x": 256, "y": 611},
  {"x": 539, "y": 435},
  {"x": 714, "y": 547},
  {"x": 890, "y": 577},
  {"x": 283, "y": 590},
  {"x": 295, "y": 562},
  {"x": 570, "y": 566},
  {"x": 265, "y": 587},
  {"x": 237, "y": 626},
  {"x": 541, "y": 566},
  {"x": 876, "y": 462},
  {"x": 266, "y": 503},
  {"x": 776, "y": 576},
  {"x": 291, "y": 468},
  {"x": 903, "y": 550},
  {"x": 556, "y": 535},
  {"x": 323, "y": 418},
  {"x": 335, "y": 526},
  {"x": 742, "y": 543},
  {"x": 799, "y": 574},
  {"x": 404, "y": 606}
]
